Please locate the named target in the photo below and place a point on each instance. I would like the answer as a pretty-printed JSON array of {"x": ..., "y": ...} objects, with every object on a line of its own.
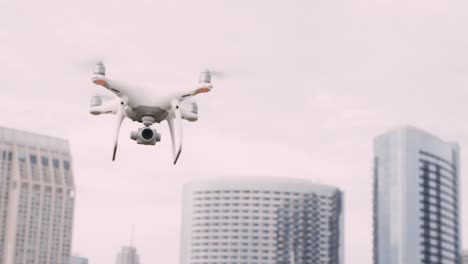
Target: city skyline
[
  {"x": 308, "y": 85},
  {"x": 394, "y": 140}
]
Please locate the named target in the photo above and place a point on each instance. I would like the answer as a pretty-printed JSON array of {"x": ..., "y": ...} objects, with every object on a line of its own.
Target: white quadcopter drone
[{"x": 148, "y": 108}]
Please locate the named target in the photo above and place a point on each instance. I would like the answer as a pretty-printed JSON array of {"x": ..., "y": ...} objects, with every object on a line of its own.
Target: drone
[{"x": 148, "y": 108}]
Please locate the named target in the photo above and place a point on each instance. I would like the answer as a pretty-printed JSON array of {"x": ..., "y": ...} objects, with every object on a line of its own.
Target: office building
[
  {"x": 416, "y": 199},
  {"x": 128, "y": 255},
  {"x": 36, "y": 199},
  {"x": 261, "y": 221},
  {"x": 78, "y": 260}
]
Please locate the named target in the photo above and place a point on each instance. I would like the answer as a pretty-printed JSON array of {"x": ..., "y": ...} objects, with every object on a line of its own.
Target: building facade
[
  {"x": 36, "y": 199},
  {"x": 78, "y": 260},
  {"x": 128, "y": 255},
  {"x": 263, "y": 221},
  {"x": 416, "y": 199}
]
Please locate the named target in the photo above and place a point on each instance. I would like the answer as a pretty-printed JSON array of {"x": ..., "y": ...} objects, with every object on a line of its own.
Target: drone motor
[
  {"x": 205, "y": 77},
  {"x": 189, "y": 111},
  {"x": 96, "y": 101},
  {"x": 100, "y": 69}
]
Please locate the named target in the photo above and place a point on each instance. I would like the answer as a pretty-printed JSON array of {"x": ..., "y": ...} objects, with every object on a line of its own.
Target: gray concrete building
[
  {"x": 416, "y": 198},
  {"x": 261, "y": 221},
  {"x": 37, "y": 196}
]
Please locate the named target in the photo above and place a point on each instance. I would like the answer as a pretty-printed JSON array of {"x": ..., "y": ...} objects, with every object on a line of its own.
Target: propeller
[
  {"x": 207, "y": 74},
  {"x": 217, "y": 73}
]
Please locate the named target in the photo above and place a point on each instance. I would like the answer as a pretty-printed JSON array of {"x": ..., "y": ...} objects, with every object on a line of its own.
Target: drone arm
[
  {"x": 110, "y": 85},
  {"x": 174, "y": 121},
  {"x": 202, "y": 88}
]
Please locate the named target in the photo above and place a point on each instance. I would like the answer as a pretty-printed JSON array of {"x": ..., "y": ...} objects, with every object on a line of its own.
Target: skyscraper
[
  {"x": 128, "y": 255},
  {"x": 78, "y": 260},
  {"x": 416, "y": 199},
  {"x": 261, "y": 221},
  {"x": 36, "y": 199}
]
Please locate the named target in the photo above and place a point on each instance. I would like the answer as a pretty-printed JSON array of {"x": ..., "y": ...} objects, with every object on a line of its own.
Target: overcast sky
[{"x": 309, "y": 84}]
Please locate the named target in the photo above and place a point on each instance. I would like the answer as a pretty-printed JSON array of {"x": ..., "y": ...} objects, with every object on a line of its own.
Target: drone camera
[{"x": 146, "y": 136}]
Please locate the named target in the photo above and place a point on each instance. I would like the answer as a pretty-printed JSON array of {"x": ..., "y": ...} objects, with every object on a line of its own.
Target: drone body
[{"x": 144, "y": 106}]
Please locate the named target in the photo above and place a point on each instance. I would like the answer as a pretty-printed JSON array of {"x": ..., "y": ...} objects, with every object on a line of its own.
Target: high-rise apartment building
[
  {"x": 36, "y": 199},
  {"x": 128, "y": 255},
  {"x": 261, "y": 221},
  {"x": 416, "y": 199},
  {"x": 78, "y": 260}
]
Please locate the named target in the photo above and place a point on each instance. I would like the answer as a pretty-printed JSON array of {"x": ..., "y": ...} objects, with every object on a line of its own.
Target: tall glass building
[
  {"x": 416, "y": 199},
  {"x": 36, "y": 199},
  {"x": 261, "y": 221}
]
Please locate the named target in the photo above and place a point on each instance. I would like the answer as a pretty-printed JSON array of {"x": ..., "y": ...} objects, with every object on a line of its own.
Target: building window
[
  {"x": 45, "y": 161},
  {"x": 21, "y": 157},
  {"x": 66, "y": 165},
  {"x": 33, "y": 159}
]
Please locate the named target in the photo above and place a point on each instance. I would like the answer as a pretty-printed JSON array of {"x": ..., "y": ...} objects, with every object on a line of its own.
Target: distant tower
[
  {"x": 78, "y": 260},
  {"x": 36, "y": 199},
  {"x": 416, "y": 199},
  {"x": 261, "y": 221},
  {"x": 128, "y": 255}
]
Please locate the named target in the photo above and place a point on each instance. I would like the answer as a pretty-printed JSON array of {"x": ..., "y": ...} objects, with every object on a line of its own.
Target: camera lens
[{"x": 147, "y": 134}]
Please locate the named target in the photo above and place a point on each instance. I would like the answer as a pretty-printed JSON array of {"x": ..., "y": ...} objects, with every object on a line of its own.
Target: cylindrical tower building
[{"x": 261, "y": 221}]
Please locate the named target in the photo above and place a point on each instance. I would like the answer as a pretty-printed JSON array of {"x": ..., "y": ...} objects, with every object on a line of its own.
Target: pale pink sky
[{"x": 310, "y": 84}]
